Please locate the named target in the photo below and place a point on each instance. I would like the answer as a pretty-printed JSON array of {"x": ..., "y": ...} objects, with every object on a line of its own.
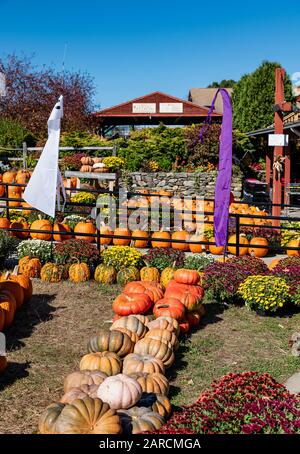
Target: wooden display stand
[{"x": 111, "y": 178}]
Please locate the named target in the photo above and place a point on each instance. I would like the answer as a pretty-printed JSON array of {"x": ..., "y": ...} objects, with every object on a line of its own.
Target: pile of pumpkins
[
  {"x": 121, "y": 386},
  {"x": 93, "y": 165}
]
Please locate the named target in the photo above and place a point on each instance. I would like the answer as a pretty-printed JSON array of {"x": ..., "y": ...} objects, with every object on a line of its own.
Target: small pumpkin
[
  {"x": 23, "y": 176},
  {"x": 86, "y": 227},
  {"x": 183, "y": 236},
  {"x": 30, "y": 267},
  {"x": 157, "y": 349},
  {"x": 107, "y": 362},
  {"x": 8, "y": 305},
  {"x": 51, "y": 272},
  {"x": 185, "y": 296},
  {"x": 198, "y": 248},
  {"x": 4, "y": 224},
  {"x": 21, "y": 225},
  {"x": 258, "y": 252},
  {"x": 87, "y": 161},
  {"x": 24, "y": 281},
  {"x": 214, "y": 249},
  {"x": 105, "y": 230},
  {"x": 243, "y": 248},
  {"x": 293, "y": 252},
  {"x": 131, "y": 303},
  {"x": 9, "y": 176},
  {"x": 152, "y": 383},
  {"x": 161, "y": 236},
  {"x": 134, "y": 363},
  {"x": 186, "y": 276},
  {"x": 139, "y": 419},
  {"x": 170, "y": 307},
  {"x": 166, "y": 276},
  {"x": 140, "y": 243},
  {"x": 131, "y": 323},
  {"x": 83, "y": 377},
  {"x": 158, "y": 402},
  {"x": 42, "y": 224},
  {"x": 14, "y": 288},
  {"x": 86, "y": 169},
  {"x": 150, "y": 273},
  {"x": 111, "y": 341},
  {"x": 128, "y": 274},
  {"x": 105, "y": 274},
  {"x": 166, "y": 324},
  {"x": 79, "y": 272},
  {"x": 120, "y": 391},
  {"x": 62, "y": 232},
  {"x": 122, "y": 241}
]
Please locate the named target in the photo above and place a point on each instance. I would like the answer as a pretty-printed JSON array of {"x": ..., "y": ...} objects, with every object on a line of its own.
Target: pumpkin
[
  {"x": 23, "y": 176},
  {"x": 111, "y": 341},
  {"x": 2, "y": 188},
  {"x": 195, "y": 290},
  {"x": 79, "y": 393},
  {"x": 120, "y": 391},
  {"x": 51, "y": 272},
  {"x": 293, "y": 252},
  {"x": 185, "y": 296},
  {"x": 105, "y": 230},
  {"x": 79, "y": 272},
  {"x": 157, "y": 349},
  {"x": 183, "y": 236},
  {"x": 82, "y": 416},
  {"x": 214, "y": 249},
  {"x": 131, "y": 303},
  {"x": 3, "y": 364},
  {"x": 193, "y": 318},
  {"x": 129, "y": 274},
  {"x": 24, "y": 281},
  {"x": 258, "y": 252},
  {"x": 14, "y": 288},
  {"x": 150, "y": 273},
  {"x": 9, "y": 176},
  {"x": 42, "y": 224},
  {"x": 30, "y": 267},
  {"x": 243, "y": 248},
  {"x": 86, "y": 168},
  {"x": 14, "y": 192},
  {"x": 163, "y": 335},
  {"x": 107, "y": 362},
  {"x": 166, "y": 276},
  {"x": 161, "y": 236},
  {"x": 105, "y": 274},
  {"x": 146, "y": 319},
  {"x": 184, "y": 326},
  {"x": 122, "y": 241},
  {"x": 158, "y": 402},
  {"x": 4, "y": 223},
  {"x": 170, "y": 307},
  {"x": 21, "y": 225},
  {"x": 185, "y": 276},
  {"x": 86, "y": 227},
  {"x": 83, "y": 377},
  {"x": 87, "y": 161},
  {"x": 139, "y": 419},
  {"x": 131, "y": 323},
  {"x": 26, "y": 205},
  {"x": 133, "y": 336},
  {"x": 152, "y": 383},
  {"x": 140, "y": 243},
  {"x": 62, "y": 229},
  {"x": 2, "y": 319},
  {"x": 166, "y": 324},
  {"x": 134, "y": 363},
  {"x": 154, "y": 292},
  {"x": 197, "y": 248},
  {"x": 8, "y": 305}
]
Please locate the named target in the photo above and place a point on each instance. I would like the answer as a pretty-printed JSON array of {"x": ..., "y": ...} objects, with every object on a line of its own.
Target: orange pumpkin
[
  {"x": 42, "y": 224},
  {"x": 198, "y": 248},
  {"x": 170, "y": 307},
  {"x": 61, "y": 228},
  {"x": 258, "y": 252},
  {"x": 183, "y": 236},
  {"x": 4, "y": 223},
  {"x": 244, "y": 243},
  {"x": 20, "y": 225},
  {"x": 105, "y": 230},
  {"x": 23, "y": 176},
  {"x": 31, "y": 267},
  {"x": 14, "y": 192},
  {"x": 85, "y": 227},
  {"x": 9, "y": 176},
  {"x": 161, "y": 236},
  {"x": 293, "y": 253},
  {"x": 25, "y": 283},
  {"x": 185, "y": 276},
  {"x": 122, "y": 241},
  {"x": 131, "y": 303},
  {"x": 149, "y": 288},
  {"x": 216, "y": 250},
  {"x": 140, "y": 243},
  {"x": 9, "y": 305},
  {"x": 14, "y": 288}
]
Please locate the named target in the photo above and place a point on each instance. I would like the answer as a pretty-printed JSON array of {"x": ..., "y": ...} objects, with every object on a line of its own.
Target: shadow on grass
[
  {"x": 38, "y": 310},
  {"x": 212, "y": 315},
  {"x": 13, "y": 372}
]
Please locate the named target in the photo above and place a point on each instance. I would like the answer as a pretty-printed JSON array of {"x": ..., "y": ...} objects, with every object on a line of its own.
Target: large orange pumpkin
[
  {"x": 198, "y": 248},
  {"x": 4, "y": 223},
  {"x": 291, "y": 252},
  {"x": 170, "y": 307},
  {"x": 61, "y": 228},
  {"x": 185, "y": 276},
  {"x": 20, "y": 225},
  {"x": 85, "y": 227},
  {"x": 9, "y": 306},
  {"x": 9, "y": 176},
  {"x": 42, "y": 224},
  {"x": 14, "y": 192},
  {"x": 14, "y": 288},
  {"x": 161, "y": 236},
  {"x": 105, "y": 230},
  {"x": 243, "y": 248},
  {"x": 30, "y": 267},
  {"x": 183, "y": 236},
  {"x": 24, "y": 281},
  {"x": 258, "y": 252},
  {"x": 131, "y": 303},
  {"x": 154, "y": 292},
  {"x": 122, "y": 241},
  {"x": 216, "y": 250},
  {"x": 140, "y": 243}
]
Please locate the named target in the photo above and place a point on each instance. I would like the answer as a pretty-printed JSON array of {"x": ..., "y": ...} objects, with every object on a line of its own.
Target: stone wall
[{"x": 202, "y": 184}]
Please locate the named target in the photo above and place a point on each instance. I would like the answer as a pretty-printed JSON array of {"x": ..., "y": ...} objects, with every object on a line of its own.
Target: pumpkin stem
[
  {"x": 16, "y": 270},
  {"x": 6, "y": 275}
]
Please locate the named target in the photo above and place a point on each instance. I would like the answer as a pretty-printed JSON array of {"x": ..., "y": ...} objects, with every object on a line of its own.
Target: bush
[
  {"x": 291, "y": 274},
  {"x": 74, "y": 251},
  {"x": 254, "y": 265},
  {"x": 121, "y": 257},
  {"x": 72, "y": 162},
  {"x": 197, "y": 262},
  {"x": 264, "y": 293},
  {"x": 35, "y": 248},
  {"x": 113, "y": 163},
  {"x": 247, "y": 402},
  {"x": 8, "y": 244},
  {"x": 12, "y": 135},
  {"x": 206, "y": 152},
  {"x": 80, "y": 139},
  {"x": 288, "y": 235},
  {"x": 84, "y": 197},
  {"x": 162, "y": 258}
]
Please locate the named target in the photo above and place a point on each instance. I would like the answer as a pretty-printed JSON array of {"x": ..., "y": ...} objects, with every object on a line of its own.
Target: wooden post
[
  {"x": 278, "y": 150},
  {"x": 24, "y": 155},
  {"x": 268, "y": 168},
  {"x": 287, "y": 173}
]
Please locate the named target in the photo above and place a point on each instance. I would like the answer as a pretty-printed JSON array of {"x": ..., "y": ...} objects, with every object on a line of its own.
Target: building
[{"x": 204, "y": 97}]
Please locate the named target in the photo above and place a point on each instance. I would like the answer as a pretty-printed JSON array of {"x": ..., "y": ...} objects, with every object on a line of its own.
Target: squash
[
  {"x": 122, "y": 241},
  {"x": 4, "y": 224},
  {"x": 133, "y": 336},
  {"x": 166, "y": 276},
  {"x": 166, "y": 324},
  {"x": 185, "y": 276},
  {"x": 108, "y": 362},
  {"x": 3, "y": 363},
  {"x": 149, "y": 288},
  {"x": 293, "y": 252},
  {"x": 86, "y": 168},
  {"x": 79, "y": 272},
  {"x": 111, "y": 341},
  {"x": 158, "y": 403},
  {"x": 8, "y": 305},
  {"x": 161, "y": 236},
  {"x": 51, "y": 272},
  {"x": 134, "y": 363},
  {"x": 152, "y": 383},
  {"x": 131, "y": 303},
  {"x": 86, "y": 227},
  {"x": 87, "y": 161},
  {"x": 258, "y": 252},
  {"x": 62, "y": 230},
  {"x": 150, "y": 273},
  {"x": 83, "y": 377},
  {"x": 146, "y": 319},
  {"x": 105, "y": 274},
  {"x": 163, "y": 335},
  {"x": 14, "y": 192},
  {"x": 214, "y": 249},
  {"x": 244, "y": 243},
  {"x": 137, "y": 420},
  {"x": 120, "y": 391},
  {"x": 170, "y": 307},
  {"x": 129, "y": 274},
  {"x": 185, "y": 295},
  {"x": 14, "y": 288},
  {"x": 9, "y": 176},
  {"x": 80, "y": 393},
  {"x": 24, "y": 281},
  {"x": 42, "y": 224},
  {"x": 157, "y": 349},
  {"x": 183, "y": 236},
  {"x": 83, "y": 416},
  {"x": 131, "y": 323},
  {"x": 23, "y": 176},
  {"x": 140, "y": 243}
]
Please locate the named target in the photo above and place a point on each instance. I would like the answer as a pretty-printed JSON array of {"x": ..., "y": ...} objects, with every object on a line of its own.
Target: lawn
[{"x": 49, "y": 336}]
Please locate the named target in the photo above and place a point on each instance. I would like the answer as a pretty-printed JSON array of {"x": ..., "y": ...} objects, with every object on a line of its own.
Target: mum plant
[
  {"x": 74, "y": 251},
  {"x": 198, "y": 262},
  {"x": 8, "y": 245},
  {"x": 162, "y": 258},
  {"x": 121, "y": 257},
  {"x": 39, "y": 249}
]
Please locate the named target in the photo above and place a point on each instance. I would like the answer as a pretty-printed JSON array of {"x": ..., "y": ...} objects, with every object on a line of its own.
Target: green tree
[
  {"x": 253, "y": 98},
  {"x": 225, "y": 83}
]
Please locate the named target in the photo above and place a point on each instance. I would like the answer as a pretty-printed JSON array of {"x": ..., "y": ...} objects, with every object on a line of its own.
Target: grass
[{"x": 49, "y": 336}]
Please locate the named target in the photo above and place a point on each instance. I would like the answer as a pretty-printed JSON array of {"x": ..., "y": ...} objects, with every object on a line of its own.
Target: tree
[
  {"x": 253, "y": 98},
  {"x": 31, "y": 93},
  {"x": 230, "y": 83}
]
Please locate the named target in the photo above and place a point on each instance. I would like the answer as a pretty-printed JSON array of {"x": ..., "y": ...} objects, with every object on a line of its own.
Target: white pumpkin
[{"x": 120, "y": 391}]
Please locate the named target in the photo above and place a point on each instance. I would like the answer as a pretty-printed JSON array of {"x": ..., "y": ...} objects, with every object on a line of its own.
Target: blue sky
[{"x": 134, "y": 47}]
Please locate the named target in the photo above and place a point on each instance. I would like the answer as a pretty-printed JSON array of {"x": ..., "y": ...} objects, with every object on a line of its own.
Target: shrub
[
  {"x": 113, "y": 163},
  {"x": 197, "y": 262},
  {"x": 79, "y": 139},
  {"x": 162, "y": 258},
  {"x": 254, "y": 265},
  {"x": 295, "y": 293},
  {"x": 39, "y": 249},
  {"x": 206, "y": 152},
  {"x": 291, "y": 274},
  {"x": 247, "y": 402},
  {"x": 84, "y": 197},
  {"x": 264, "y": 293},
  {"x": 12, "y": 135},
  {"x": 72, "y": 162},
  {"x": 122, "y": 256},
  {"x": 288, "y": 235},
  {"x": 8, "y": 245},
  {"x": 290, "y": 261},
  {"x": 73, "y": 251}
]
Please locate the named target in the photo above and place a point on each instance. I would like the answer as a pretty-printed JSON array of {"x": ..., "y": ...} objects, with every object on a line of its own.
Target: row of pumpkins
[{"x": 121, "y": 386}]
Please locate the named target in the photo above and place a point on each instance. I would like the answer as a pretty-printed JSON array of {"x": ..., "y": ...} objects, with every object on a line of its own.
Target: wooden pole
[{"x": 287, "y": 173}]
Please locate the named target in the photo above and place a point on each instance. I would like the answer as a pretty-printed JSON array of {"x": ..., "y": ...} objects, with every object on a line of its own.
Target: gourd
[
  {"x": 120, "y": 391},
  {"x": 131, "y": 323},
  {"x": 79, "y": 272},
  {"x": 51, "y": 272},
  {"x": 150, "y": 273},
  {"x": 142, "y": 363},
  {"x": 137, "y": 420},
  {"x": 157, "y": 349},
  {"x": 166, "y": 276},
  {"x": 164, "y": 336},
  {"x": 107, "y": 362},
  {"x": 105, "y": 274},
  {"x": 133, "y": 336},
  {"x": 129, "y": 274},
  {"x": 30, "y": 267},
  {"x": 111, "y": 341},
  {"x": 83, "y": 377},
  {"x": 152, "y": 383}
]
